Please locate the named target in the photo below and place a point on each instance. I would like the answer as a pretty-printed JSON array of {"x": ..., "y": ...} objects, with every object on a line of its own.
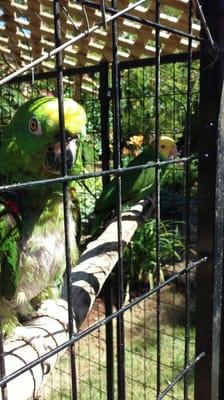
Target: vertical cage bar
[
  {"x": 105, "y": 103},
  {"x": 60, "y": 92},
  {"x": 218, "y": 261},
  {"x": 157, "y": 185},
  {"x": 104, "y": 112},
  {"x": 187, "y": 194},
  {"x": 220, "y": 183},
  {"x": 109, "y": 340},
  {"x": 4, "y": 394},
  {"x": 218, "y": 317},
  {"x": 117, "y": 164},
  {"x": 173, "y": 227},
  {"x": 208, "y": 306}
]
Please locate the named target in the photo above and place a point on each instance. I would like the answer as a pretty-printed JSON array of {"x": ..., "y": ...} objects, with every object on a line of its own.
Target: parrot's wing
[
  {"x": 104, "y": 205},
  {"x": 140, "y": 183},
  {"x": 135, "y": 185},
  {"x": 132, "y": 183},
  {"x": 131, "y": 191},
  {"x": 10, "y": 233}
]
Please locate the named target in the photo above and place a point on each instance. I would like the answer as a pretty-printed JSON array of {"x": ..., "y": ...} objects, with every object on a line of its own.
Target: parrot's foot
[
  {"x": 149, "y": 210},
  {"x": 51, "y": 293},
  {"x": 152, "y": 200},
  {"x": 26, "y": 312}
]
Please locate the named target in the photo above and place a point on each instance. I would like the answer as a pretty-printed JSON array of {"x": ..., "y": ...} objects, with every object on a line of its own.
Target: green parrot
[
  {"x": 32, "y": 249},
  {"x": 135, "y": 184}
]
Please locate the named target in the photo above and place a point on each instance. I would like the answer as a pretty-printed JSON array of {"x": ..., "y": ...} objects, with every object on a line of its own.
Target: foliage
[
  {"x": 172, "y": 190},
  {"x": 138, "y": 108},
  {"x": 9, "y": 100},
  {"x": 140, "y": 255}
]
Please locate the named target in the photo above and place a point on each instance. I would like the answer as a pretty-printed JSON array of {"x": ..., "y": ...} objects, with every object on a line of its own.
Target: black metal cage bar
[
  {"x": 157, "y": 182},
  {"x": 60, "y": 94},
  {"x": 210, "y": 213},
  {"x": 187, "y": 199},
  {"x": 117, "y": 164}
]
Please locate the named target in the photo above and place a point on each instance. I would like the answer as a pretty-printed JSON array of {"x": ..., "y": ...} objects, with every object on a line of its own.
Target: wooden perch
[
  {"x": 50, "y": 328},
  {"x": 100, "y": 257},
  {"x": 31, "y": 341}
]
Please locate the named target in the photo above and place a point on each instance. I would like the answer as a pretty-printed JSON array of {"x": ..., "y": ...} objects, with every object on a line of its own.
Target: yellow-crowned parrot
[
  {"x": 135, "y": 184},
  {"x": 32, "y": 248}
]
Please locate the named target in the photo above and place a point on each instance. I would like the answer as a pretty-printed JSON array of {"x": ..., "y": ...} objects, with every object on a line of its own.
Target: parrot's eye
[
  {"x": 163, "y": 146},
  {"x": 35, "y": 126}
]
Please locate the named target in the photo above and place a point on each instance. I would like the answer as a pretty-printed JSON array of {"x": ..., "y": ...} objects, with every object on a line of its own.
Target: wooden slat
[{"x": 36, "y": 32}]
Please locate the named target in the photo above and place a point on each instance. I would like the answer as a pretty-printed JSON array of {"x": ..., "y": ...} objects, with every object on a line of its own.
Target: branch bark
[{"x": 50, "y": 329}]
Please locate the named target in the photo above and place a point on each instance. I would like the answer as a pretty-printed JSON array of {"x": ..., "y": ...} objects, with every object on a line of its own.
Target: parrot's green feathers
[
  {"x": 135, "y": 184},
  {"x": 32, "y": 248},
  {"x": 9, "y": 253}
]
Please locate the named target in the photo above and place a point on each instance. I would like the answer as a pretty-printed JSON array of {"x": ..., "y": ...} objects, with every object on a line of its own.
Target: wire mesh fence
[{"x": 140, "y": 337}]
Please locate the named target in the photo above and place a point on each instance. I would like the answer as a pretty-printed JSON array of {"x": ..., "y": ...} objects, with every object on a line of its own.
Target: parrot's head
[
  {"x": 167, "y": 148},
  {"x": 31, "y": 142}
]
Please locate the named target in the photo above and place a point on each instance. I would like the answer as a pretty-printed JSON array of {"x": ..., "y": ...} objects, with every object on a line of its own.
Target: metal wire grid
[
  {"x": 186, "y": 159},
  {"x": 133, "y": 381}
]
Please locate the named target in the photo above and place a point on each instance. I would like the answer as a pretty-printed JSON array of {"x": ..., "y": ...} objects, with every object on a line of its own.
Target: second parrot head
[
  {"x": 167, "y": 147},
  {"x": 32, "y": 139}
]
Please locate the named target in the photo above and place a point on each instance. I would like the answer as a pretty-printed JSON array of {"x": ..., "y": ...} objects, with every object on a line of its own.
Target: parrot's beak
[
  {"x": 173, "y": 152},
  {"x": 53, "y": 158}
]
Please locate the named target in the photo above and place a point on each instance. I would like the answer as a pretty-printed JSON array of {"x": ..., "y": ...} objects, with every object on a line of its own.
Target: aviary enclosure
[{"x": 140, "y": 314}]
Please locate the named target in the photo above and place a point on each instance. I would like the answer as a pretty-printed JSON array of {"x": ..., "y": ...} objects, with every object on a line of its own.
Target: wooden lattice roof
[{"x": 27, "y": 32}]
